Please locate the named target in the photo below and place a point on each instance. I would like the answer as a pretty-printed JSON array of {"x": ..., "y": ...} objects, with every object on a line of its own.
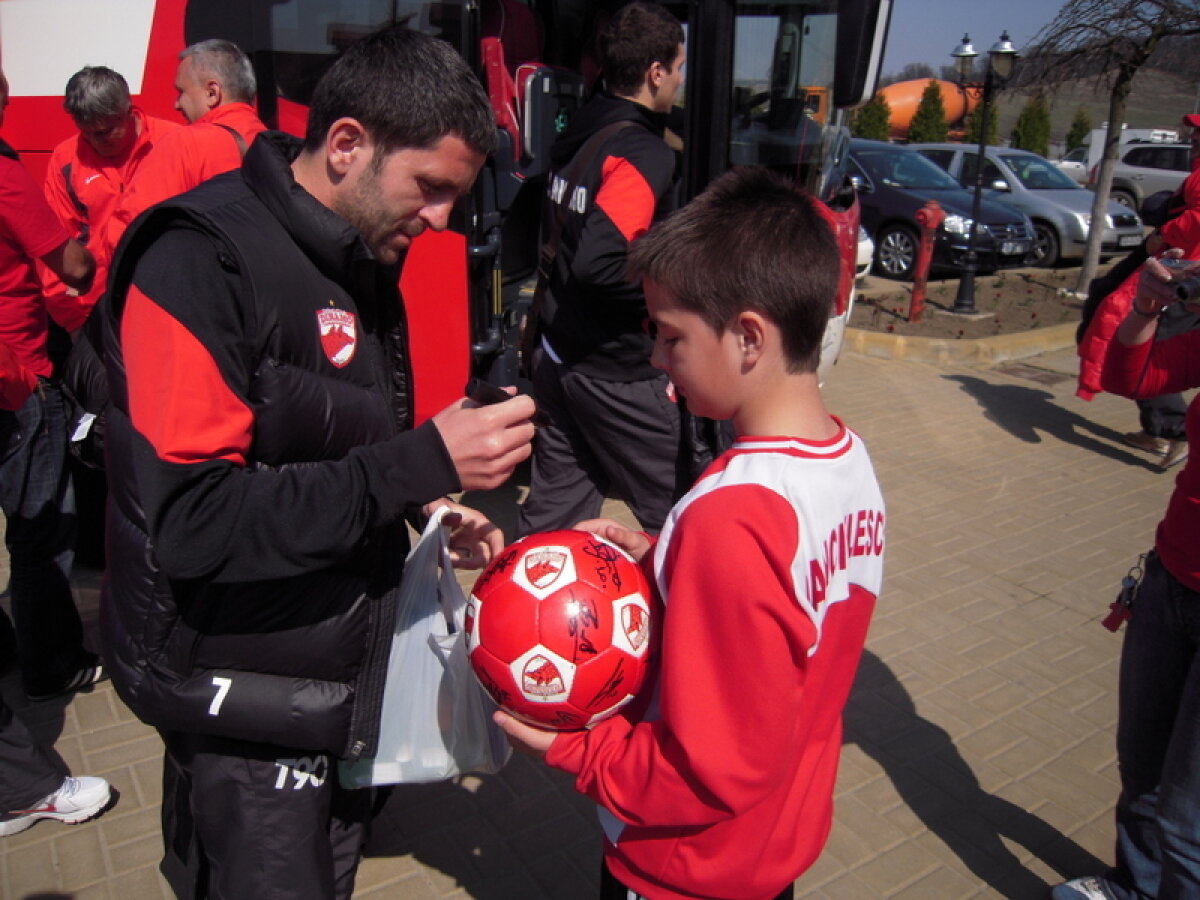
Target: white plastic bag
[{"x": 437, "y": 719}]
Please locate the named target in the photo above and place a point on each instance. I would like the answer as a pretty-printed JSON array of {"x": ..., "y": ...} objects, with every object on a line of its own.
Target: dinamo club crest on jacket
[
  {"x": 339, "y": 335},
  {"x": 559, "y": 629}
]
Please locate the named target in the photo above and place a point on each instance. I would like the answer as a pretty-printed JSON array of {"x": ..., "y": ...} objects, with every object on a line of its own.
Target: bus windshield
[
  {"x": 783, "y": 73},
  {"x": 295, "y": 41}
]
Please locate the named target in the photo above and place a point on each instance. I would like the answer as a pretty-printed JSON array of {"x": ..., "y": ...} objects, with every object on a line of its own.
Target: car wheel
[
  {"x": 896, "y": 251},
  {"x": 1045, "y": 246},
  {"x": 1124, "y": 198}
]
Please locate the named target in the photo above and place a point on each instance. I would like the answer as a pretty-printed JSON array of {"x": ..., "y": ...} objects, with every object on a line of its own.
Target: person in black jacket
[
  {"x": 614, "y": 423},
  {"x": 263, "y": 460}
]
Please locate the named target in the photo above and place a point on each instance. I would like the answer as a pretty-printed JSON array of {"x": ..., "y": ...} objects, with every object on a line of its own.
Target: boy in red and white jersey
[{"x": 719, "y": 783}]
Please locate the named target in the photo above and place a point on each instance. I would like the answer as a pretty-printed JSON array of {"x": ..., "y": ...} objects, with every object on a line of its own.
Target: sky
[{"x": 926, "y": 31}]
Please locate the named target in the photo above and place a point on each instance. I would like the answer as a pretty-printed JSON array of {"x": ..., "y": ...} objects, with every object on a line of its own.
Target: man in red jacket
[
  {"x": 90, "y": 171},
  {"x": 36, "y": 494},
  {"x": 216, "y": 89}
]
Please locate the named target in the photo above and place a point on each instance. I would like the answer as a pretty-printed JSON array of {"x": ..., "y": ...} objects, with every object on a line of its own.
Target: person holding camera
[
  {"x": 1176, "y": 221},
  {"x": 1158, "y": 726}
]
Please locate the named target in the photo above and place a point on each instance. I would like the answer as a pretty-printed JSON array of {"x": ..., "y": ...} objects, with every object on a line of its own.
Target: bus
[{"x": 768, "y": 82}]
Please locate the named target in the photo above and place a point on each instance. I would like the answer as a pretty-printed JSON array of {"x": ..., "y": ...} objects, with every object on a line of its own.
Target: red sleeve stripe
[
  {"x": 178, "y": 400},
  {"x": 625, "y": 197}
]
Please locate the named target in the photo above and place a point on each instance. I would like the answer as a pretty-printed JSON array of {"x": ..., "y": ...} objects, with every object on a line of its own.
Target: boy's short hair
[
  {"x": 407, "y": 89},
  {"x": 637, "y": 36},
  {"x": 750, "y": 241}
]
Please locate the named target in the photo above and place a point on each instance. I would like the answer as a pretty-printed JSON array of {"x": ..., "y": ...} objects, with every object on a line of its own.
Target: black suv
[{"x": 894, "y": 182}]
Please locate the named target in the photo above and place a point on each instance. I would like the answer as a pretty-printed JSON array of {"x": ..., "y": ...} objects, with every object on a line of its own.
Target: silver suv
[
  {"x": 1061, "y": 211},
  {"x": 1145, "y": 169}
]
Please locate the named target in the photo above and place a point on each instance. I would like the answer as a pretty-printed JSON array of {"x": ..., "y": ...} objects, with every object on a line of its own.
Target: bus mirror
[{"x": 862, "y": 27}]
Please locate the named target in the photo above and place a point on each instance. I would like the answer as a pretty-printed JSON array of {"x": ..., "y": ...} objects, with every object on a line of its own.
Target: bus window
[
  {"x": 292, "y": 42},
  {"x": 306, "y": 35},
  {"x": 783, "y": 74}
]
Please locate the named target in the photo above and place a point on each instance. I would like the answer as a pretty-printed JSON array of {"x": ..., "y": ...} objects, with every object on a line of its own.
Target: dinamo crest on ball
[{"x": 559, "y": 628}]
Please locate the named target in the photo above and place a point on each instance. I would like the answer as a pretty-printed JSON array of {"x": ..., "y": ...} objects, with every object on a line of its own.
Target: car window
[
  {"x": 991, "y": 172},
  {"x": 1079, "y": 154},
  {"x": 902, "y": 168},
  {"x": 1037, "y": 174},
  {"x": 1138, "y": 156},
  {"x": 1164, "y": 158},
  {"x": 1159, "y": 157},
  {"x": 942, "y": 158}
]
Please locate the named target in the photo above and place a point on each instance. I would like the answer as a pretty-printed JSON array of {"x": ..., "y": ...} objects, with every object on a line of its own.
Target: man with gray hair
[
  {"x": 216, "y": 90},
  {"x": 89, "y": 171},
  {"x": 211, "y": 74}
]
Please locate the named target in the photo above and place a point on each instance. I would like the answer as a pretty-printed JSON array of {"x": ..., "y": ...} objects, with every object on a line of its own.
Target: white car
[
  {"x": 1075, "y": 165},
  {"x": 866, "y": 253},
  {"x": 835, "y": 330}
]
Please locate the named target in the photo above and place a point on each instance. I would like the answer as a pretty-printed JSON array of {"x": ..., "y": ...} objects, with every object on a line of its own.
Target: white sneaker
[
  {"x": 76, "y": 800},
  {"x": 1090, "y": 887}
]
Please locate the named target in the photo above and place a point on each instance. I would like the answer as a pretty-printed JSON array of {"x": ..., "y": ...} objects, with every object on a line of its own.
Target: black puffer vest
[{"x": 295, "y": 661}]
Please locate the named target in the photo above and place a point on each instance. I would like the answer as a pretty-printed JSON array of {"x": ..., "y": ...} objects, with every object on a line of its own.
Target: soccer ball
[{"x": 559, "y": 629}]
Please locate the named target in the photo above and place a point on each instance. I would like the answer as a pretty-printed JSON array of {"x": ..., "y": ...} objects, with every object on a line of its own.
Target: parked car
[
  {"x": 1145, "y": 169},
  {"x": 1061, "y": 211},
  {"x": 1075, "y": 165},
  {"x": 893, "y": 182}
]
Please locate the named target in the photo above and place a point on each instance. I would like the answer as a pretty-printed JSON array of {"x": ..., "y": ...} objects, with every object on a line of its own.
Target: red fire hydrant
[{"x": 930, "y": 218}]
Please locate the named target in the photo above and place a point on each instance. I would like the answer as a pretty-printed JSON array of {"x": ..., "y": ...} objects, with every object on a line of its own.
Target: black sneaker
[{"x": 91, "y": 672}]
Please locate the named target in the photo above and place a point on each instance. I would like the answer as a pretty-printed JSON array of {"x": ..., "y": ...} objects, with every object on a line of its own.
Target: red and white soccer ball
[{"x": 559, "y": 629}]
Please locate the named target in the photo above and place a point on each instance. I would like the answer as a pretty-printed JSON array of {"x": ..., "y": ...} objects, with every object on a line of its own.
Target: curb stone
[
  {"x": 988, "y": 350},
  {"x": 979, "y": 351}
]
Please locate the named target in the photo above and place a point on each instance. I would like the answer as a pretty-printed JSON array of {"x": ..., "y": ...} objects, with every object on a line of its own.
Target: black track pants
[
  {"x": 252, "y": 820},
  {"x": 27, "y": 772},
  {"x": 607, "y": 437}
]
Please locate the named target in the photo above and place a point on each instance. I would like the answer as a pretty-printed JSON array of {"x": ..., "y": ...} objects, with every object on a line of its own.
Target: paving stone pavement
[{"x": 978, "y": 758}]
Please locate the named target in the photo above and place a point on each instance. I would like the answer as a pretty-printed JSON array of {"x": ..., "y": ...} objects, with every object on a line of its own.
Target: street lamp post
[{"x": 1001, "y": 59}]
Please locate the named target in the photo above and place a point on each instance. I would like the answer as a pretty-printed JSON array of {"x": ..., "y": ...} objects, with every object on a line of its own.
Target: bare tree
[
  {"x": 913, "y": 71},
  {"x": 1108, "y": 41}
]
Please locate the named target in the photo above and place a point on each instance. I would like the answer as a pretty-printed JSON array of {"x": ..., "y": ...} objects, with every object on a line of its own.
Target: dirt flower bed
[{"x": 1007, "y": 302}]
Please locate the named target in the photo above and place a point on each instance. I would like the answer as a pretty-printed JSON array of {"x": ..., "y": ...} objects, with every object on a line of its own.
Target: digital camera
[{"x": 1188, "y": 290}]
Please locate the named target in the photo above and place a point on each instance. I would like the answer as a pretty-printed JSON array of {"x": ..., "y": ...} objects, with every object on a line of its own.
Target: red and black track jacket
[
  {"x": 591, "y": 316},
  {"x": 260, "y": 457}
]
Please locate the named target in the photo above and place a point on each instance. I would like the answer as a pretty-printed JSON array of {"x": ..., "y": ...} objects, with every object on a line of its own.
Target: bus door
[
  {"x": 770, "y": 84},
  {"x": 767, "y": 83}
]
